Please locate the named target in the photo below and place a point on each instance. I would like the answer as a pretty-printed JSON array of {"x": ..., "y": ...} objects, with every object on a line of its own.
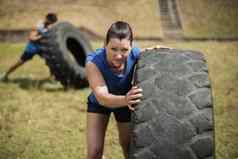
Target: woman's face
[{"x": 117, "y": 53}]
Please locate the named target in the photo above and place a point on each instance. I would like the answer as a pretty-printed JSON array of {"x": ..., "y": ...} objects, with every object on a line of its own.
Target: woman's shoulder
[
  {"x": 136, "y": 49},
  {"x": 97, "y": 54},
  {"x": 136, "y": 52}
]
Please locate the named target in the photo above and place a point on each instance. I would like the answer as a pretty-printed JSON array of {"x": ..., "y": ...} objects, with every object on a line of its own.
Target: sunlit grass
[
  {"x": 41, "y": 122},
  {"x": 96, "y": 15},
  {"x": 222, "y": 62},
  {"x": 209, "y": 18}
]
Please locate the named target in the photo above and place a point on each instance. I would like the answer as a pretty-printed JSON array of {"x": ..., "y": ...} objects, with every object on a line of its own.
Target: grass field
[
  {"x": 41, "y": 121},
  {"x": 38, "y": 121},
  {"x": 209, "y": 18},
  {"x": 96, "y": 15}
]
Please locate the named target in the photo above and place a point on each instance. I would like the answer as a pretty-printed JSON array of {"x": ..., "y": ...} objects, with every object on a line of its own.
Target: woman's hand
[{"x": 133, "y": 97}]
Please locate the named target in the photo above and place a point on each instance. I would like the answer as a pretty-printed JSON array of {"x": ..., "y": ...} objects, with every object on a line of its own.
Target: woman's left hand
[{"x": 155, "y": 47}]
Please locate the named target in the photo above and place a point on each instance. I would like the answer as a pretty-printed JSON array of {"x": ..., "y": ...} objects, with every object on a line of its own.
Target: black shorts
[
  {"x": 26, "y": 56},
  {"x": 31, "y": 50},
  {"x": 122, "y": 114}
]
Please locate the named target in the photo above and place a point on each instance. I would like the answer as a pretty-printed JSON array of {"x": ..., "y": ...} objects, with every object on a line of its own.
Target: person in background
[{"x": 33, "y": 47}]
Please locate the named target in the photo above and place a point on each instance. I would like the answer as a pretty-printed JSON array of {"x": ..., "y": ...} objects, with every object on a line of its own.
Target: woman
[{"x": 110, "y": 71}]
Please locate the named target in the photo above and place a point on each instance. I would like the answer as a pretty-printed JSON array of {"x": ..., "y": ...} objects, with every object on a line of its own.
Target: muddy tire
[
  {"x": 65, "y": 49},
  {"x": 175, "y": 117}
]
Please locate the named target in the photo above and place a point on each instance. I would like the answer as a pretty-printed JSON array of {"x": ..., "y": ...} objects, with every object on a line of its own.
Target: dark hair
[
  {"x": 120, "y": 30},
  {"x": 51, "y": 17}
]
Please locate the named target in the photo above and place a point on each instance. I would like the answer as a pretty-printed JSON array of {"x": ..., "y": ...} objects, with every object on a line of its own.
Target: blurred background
[{"x": 39, "y": 121}]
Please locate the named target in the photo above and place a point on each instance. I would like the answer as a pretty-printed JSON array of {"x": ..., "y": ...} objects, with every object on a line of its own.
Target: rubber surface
[{"x": 175, "y": 117}]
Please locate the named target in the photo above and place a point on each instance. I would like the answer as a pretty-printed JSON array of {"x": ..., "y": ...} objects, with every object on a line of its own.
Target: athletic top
[
  {"x": 118, "y": 84},
  {"x": 40, "y": 27},
  {"x": 33, "y": 47}
]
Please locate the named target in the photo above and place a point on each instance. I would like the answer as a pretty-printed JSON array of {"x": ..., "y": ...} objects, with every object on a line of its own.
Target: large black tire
[
  {"x": 175, "y": 117},
  {"x": 65, "y": 49}
]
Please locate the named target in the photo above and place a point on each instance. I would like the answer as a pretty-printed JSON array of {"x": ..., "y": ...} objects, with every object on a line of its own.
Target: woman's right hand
[{"x": 133, "y": 97}]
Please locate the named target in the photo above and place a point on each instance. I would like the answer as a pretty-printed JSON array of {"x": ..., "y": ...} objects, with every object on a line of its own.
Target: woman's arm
[{"x": 102, "y": 94}]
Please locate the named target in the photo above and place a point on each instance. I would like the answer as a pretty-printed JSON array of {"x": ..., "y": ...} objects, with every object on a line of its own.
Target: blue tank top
[{"x": 118, "y": 84}]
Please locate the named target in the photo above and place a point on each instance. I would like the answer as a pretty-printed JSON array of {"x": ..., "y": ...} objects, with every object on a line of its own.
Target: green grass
[
  {"x": 37, "y": 121},
  {"x": 204, "y": 18},
  {"x": 222, "y": 62},
  {"x": 209, "y": 18},
  {"x": 96, "y": 15}
]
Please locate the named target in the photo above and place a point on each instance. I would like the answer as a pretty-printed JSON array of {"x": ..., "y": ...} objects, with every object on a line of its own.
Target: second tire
[{"x": 65, "y": 50}]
